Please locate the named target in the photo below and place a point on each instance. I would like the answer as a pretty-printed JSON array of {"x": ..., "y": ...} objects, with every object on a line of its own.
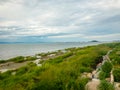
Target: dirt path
[
  {"x": 11, "y": 66},
  {"x": 93, "y": 85}
]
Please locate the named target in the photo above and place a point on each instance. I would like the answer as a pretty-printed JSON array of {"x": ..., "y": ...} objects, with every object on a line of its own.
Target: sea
[{"x": 11, "y": 50}]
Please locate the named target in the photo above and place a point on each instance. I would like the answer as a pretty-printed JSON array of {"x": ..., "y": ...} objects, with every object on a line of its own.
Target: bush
[
  {"x": 81, "y": 83},
  {"x": 116, "y": 74},
  {"x": 107, "y": 67},
  {"x": 103, "y": 75},
  {"x": 30, "y": 58},
  {"x": 2, "y": 61},
  {"x": 17, "y": 59},
  {"x": 22, "y": 70},
  {"x": 104, "y": 85},
  {"x": 85, "y": 69}
]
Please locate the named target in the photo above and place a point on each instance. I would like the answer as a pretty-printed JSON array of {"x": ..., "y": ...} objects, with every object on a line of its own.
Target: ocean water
[{"x": 21, "y": 49}]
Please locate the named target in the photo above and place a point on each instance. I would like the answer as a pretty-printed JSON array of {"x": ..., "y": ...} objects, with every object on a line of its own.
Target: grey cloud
[
  {"x": 112, "y": 19},
  {"x": 4, "y": 1},
  {"x": 86, "y": 17}
]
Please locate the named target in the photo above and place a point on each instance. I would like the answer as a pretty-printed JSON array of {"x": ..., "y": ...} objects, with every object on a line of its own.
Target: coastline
[
  {"x": 20, "y": 61},
  {"x": 78, "y": 63},
  {"x": 13, "y": 50}
]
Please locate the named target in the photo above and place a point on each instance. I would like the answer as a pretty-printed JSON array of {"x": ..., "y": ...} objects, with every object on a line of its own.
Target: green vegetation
[
  {"x": 116, "y": 74},
  {"x": 63, "y": 72},
  {"x": 2, "y": 61},
  {"x": 17, "y": 59},
  {"x": 115, "y": 58},
  {"x": 103, "y": 75},
  {"x": 107, "y": 67},
  {"x": 105, "y": 70},
  {"x": 104, "y": 85}
]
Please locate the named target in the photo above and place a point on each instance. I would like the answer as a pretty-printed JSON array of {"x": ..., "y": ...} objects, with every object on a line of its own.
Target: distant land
[{"x": 59, "y": 42}]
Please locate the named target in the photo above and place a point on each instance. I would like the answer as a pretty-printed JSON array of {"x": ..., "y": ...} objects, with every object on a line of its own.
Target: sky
[{"x": 59, "y": 20}]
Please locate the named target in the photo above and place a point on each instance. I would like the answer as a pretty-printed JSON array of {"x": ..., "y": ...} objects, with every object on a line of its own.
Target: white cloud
[
  {"x": 81, "y": 18},
  {"x": 67, "y": 36},
  {"x": 104, "y": 37}
]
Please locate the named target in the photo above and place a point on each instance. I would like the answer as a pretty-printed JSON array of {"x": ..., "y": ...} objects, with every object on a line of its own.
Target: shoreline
[
  {"x": 33, "y": 52},
  {"x": 20, "y": 61}
]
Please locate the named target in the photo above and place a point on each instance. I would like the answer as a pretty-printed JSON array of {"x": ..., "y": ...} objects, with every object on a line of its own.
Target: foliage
[
  {"x": 59, "y": 73},
  {"x": 2, "y": 61},
  {"x": 30, "y": 58},
  {"x": 103, "y": 75},
  {"x": 107, "y": 67},
  {"x": 116, "y": 74},
  {"x": 104, "y": 85},
  {"x": 17, "y": 59}
]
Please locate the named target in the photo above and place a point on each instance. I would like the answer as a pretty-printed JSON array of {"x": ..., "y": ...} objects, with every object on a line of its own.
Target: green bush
[
  {"x": 30, "y": 58},
  {"x": 116, "y": 74},
  {"x": 22, "y": 70},
  {"x": 2, "y": 61},
  {"x": 85, "y": 69},
  {"x": 81, "y": 83},
  {"x": 17, "y": 59},
  {"x": 107, "y": 67},
  {"x": 103, "y": 75},
  {"x": 104, "y": 85}
]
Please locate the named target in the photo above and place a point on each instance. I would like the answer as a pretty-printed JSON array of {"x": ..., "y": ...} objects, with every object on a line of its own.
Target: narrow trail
[{"x": 93, "y": 84}]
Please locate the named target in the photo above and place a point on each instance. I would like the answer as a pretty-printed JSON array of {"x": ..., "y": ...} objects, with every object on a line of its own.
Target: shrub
[
  {"x": 17, "y": 59},
  {"x": 81, "y": 83},
  {"x": 103, "y": 75},
  {"x": 2, "y": 61},
  {"x": 104, "y": 85},
  {"x": 30, "y": 58},
  {"x": 22, "y": 70},
  {"x": 116, "y": 74},
  {"x": 107, "y": 67},
  {"x": 85, "y": 69}
]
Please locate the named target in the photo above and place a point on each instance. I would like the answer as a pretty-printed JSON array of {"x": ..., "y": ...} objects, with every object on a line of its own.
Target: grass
[
  {"x": 115, "y": 58},
  {"x": 104, "y": 85},
  {"x": 60, "y": 73}
]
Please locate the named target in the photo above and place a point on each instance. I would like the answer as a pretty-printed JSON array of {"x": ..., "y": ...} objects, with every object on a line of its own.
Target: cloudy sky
[{"x": 59, "y": 20}]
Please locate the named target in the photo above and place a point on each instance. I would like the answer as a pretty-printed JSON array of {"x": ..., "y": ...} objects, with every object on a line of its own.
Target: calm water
[{"x": 12, "y": 50}]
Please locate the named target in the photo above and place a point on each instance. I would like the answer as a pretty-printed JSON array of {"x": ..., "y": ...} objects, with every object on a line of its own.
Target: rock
[
  {"x": 92, "y": 85},
  {"x": 108, "y": 79},
  {"x": 51, "y": 55},
  {"x": 38, "y": 57},
  {"x": 37, "y": 61},
  {"x": 13, "y": 73},
  {"x": 117, "y": 86},
  {"x": 89, "y": 75},
  {"x": 3, "y": 70}
]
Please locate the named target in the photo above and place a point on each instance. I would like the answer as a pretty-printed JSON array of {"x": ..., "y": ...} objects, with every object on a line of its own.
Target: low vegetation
[
  {"x": 115, "y": 58},
  {"x": 60, "y": 73},
  {"x": 105, "y": 85}
]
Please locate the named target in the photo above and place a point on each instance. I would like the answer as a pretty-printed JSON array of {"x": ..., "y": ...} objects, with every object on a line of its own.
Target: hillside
[{"x": 71, "y": 69}]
